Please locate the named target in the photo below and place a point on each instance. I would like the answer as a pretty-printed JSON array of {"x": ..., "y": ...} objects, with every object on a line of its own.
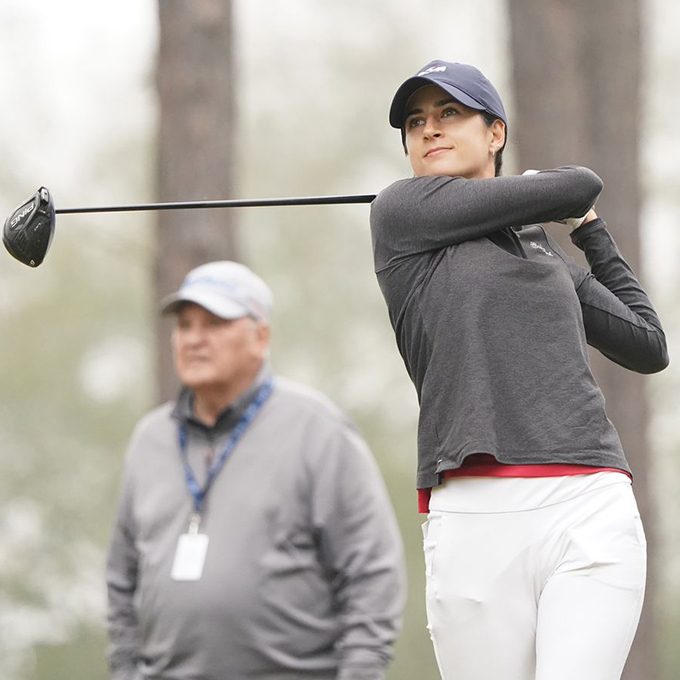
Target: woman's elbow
[
  {"x": 644, "y": 358},
  {"x": 652, "y": 359},
  {"x": 592, "y": 185},
  {"x": 657, "y": 363}
]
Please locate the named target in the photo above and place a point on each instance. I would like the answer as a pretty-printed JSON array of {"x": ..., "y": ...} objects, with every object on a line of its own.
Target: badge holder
[{"x": 192, "y": 548}]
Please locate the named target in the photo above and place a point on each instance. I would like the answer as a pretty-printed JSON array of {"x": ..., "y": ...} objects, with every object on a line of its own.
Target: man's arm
[
  {"x": 121, "y": 580},
  {"x": 426, "y": 213},
  {"x": 361, "y": 549}
]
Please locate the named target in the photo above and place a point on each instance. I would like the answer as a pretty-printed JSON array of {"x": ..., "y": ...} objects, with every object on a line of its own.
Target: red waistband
[{"x": 485, "y": 465}]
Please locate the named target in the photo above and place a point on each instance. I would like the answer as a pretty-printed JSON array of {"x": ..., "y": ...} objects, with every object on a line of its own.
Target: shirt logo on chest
[{"x": 538, "y": 246}]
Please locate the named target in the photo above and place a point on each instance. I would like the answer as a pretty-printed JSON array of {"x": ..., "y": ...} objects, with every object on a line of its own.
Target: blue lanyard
[{"x": 198, "y": 493}]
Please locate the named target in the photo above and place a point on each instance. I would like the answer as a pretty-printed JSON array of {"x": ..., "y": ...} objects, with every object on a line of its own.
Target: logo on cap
[
  {"x": 432, "y": 69},
  {"x": 209, "y": 281}
]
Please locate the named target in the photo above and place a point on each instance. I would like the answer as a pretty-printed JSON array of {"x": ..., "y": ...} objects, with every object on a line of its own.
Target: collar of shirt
[
  {"x": 184, "y": 412},
  {"x": 508, "y": 240}
]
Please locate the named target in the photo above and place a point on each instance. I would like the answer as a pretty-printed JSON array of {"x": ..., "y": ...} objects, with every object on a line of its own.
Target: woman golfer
[{"x": 534, "y": 550}]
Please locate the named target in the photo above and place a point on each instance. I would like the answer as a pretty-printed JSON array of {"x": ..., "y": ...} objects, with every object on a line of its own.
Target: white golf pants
[{"x": 534, "y": 578}]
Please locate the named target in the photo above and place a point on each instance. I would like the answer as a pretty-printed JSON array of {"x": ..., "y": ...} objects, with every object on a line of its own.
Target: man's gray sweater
[
  {"x": 304, "y": 574},
  {"x": 494, "y": 333}
]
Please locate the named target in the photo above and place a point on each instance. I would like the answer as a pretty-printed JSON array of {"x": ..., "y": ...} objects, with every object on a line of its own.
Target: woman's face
[{"x": 444, "y": 137}]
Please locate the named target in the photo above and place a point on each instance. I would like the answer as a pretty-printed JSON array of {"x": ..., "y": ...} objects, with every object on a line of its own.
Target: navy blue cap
[{"x": 463, "y": 82}]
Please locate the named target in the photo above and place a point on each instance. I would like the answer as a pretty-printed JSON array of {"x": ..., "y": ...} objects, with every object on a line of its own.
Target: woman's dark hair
[{"x": 489, "y": 119}]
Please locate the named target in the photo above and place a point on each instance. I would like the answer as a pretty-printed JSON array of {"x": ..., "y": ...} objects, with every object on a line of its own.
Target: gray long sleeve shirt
[
  {"x": 494, "y": 338},
  {"x": 304, "y": 574}
]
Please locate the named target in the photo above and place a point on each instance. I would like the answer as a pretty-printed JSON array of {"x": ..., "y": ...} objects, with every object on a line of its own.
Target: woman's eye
[
  {"x": 449, "y": 112},
  {"x": 415, "y": 122}
]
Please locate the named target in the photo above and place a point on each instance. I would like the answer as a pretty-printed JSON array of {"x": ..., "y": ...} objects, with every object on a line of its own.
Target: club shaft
[{"x": 235, "y": 203}]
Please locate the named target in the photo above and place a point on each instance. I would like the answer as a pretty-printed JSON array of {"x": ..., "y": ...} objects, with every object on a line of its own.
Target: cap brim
[
  {"x": 409, "y": 86},
  {"x": 215, "y": 304}
]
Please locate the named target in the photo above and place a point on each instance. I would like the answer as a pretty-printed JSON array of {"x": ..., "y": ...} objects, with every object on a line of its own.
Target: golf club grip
[{"x": 235, "y": 203}]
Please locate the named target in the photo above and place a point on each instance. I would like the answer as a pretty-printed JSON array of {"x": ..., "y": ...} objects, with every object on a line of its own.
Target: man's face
[
  {"x": 212, "y": 353},
  {"x": 444, "y": 137}
]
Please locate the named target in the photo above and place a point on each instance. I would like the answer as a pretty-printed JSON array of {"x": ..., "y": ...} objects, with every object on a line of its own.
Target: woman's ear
[{"x": 498, "y": 133}]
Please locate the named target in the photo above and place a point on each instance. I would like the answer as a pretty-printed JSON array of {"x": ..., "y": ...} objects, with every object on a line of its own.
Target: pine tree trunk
[
  {"x": 577, "y": 73},
  {"x": 195, "y": 78}
]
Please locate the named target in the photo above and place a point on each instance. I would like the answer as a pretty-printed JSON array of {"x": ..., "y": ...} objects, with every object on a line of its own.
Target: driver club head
[{"x": 29, "y": 229}]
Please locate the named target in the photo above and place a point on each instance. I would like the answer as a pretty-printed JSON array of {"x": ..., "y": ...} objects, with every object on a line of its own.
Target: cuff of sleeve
[
  {"x": 359, "y": 673},
  {"x": 126, "y": 674},
  {"x": 363, "y": 663},
  {"x": 578, "y": 234}
]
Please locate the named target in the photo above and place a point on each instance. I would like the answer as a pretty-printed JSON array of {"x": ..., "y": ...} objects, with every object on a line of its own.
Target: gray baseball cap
[{"x": 226, "y": 289}]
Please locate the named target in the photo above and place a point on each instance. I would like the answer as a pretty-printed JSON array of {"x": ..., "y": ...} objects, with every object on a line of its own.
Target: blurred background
[{"x": 143, "y": 100}]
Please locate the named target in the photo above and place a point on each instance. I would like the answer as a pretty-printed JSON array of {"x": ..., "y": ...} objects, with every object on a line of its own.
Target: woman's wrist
[
  {"x": 576, "y": 222},
  {"x": 592, "y": 215}
]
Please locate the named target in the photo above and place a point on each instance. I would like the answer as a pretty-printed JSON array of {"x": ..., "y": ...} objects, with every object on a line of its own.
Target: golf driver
[{"x": 29, "y": 229}]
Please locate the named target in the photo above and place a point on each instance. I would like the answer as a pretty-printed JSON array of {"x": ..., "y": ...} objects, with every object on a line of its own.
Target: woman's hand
[
  {"x": 576, "y": 222},
  {"x": 591, "y": 215}
]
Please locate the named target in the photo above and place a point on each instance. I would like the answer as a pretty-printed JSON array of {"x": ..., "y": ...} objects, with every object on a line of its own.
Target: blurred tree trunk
[
  {"x": 577, "y": 73},
  {"x": 195, "y": 78}
]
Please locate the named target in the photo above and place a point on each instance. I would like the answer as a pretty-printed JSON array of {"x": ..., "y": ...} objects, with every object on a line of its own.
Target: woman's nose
[{"x": 431, "y": 128}]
